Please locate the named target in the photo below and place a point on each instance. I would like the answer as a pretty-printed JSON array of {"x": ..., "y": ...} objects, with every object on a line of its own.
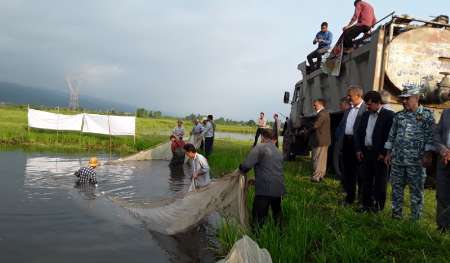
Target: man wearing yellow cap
[{"x": 86, "y": 175}]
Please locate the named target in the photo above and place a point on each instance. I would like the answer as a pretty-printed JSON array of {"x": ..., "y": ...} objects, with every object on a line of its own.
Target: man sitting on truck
[
  {"x": 323, "y": 39},
  {"x": 364, "y": 17}
]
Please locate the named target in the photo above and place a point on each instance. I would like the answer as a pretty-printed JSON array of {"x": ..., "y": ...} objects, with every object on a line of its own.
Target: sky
[{"x": 230, "y": 58}]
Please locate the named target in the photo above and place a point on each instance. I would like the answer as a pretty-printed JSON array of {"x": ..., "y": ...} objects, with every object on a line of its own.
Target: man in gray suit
[
  {"x": 350, "y": 123},
  {"x": 442, "y": 145}
]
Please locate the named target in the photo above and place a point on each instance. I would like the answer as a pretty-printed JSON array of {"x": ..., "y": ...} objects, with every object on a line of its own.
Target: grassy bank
[
  {"x": 149, "y": 132},
  {"x": 316, "y": 228}
]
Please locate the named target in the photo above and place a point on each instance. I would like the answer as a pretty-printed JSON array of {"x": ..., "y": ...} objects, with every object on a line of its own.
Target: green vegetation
[
  {"x": 316, "y": 228},
  {"x": 149, "y": 132}
]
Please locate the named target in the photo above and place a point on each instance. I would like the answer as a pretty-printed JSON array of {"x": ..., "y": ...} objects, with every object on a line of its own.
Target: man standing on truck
[
  {"x": 323, "y": 39},
  {"x": 364, "y": 16},
  {"x": 320, "y": 140},
  {"x": 409, "y": 149},
  {"x": 350, "y": 123}
]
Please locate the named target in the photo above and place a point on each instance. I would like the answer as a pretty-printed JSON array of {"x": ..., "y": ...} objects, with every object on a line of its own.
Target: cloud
[{"x": 229, "y": 58}]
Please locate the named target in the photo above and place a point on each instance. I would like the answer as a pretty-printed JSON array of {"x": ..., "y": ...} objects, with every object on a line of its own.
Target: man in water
[
  {"x": 199, "y": 164},
  {"x": 176, "y": 146},
  {"x": 87, "y": 175}
]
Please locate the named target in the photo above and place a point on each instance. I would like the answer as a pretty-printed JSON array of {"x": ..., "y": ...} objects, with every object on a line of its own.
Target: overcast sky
[{"x": 230, "y": 58}]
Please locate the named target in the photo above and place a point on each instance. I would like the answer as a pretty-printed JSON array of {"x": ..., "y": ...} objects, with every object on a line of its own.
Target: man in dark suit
[
  {"x": 320, "y": 140},
  {"x": 350, "y": 123},
  {"x": 371, "y": 136},
  {"x": 442, "y": 146}
]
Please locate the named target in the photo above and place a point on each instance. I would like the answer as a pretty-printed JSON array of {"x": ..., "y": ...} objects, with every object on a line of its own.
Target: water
[{"x": 44, "y": 218}]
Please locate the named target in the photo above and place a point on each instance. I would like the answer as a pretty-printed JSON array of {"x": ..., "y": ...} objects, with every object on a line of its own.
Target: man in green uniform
[{"x": 409, "y": 149}]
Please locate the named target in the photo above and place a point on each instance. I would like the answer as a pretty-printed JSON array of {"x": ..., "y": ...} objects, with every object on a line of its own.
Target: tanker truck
[{"x": 399, "y": 52}]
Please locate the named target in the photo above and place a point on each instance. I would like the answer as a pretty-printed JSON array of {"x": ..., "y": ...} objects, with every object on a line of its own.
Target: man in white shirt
[
  {"x": 371, "y": 136},
  {"x": 208, "y": 134},
  {"x": 200, "y": 167},
  {"x": 350, "y": 123},
  {"x": 261, "y": 122},
  {"x": 197, "y": 137}
]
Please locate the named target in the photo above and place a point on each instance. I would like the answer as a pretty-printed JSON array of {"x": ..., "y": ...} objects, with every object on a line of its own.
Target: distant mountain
[{"x": 18, "y": 94}]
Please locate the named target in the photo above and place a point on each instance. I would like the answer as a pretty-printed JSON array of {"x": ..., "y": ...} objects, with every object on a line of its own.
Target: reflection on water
[{"x": 39, "y": 201}]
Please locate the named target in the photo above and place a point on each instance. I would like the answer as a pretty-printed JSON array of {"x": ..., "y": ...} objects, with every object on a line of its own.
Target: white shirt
[
  {"x": 197, "y": 129},
  {"x": 200, "y": 165},
  {"x": 351, "y": 119},
  {"x": 373, "y": 117},
  {"x": 208, "y": 132}
]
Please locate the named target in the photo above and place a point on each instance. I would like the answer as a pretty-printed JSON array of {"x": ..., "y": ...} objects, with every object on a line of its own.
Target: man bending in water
[{"x": 199, "y": 164}]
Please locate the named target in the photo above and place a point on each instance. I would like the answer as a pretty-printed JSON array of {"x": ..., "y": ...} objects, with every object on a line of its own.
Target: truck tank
[{"x": 400, "y": 52}]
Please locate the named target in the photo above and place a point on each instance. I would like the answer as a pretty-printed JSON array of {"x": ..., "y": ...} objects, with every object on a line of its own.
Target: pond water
[{"x": 45, "y": 218}]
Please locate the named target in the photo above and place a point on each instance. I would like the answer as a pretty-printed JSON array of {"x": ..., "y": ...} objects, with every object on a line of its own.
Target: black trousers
[
  {"x": 352, "y": 33},
  {"x": 276, "y": 136},
  {"x": 258, "y": 133},
  {"x": 208, "y": 145},
  {"x": 443, "y": 196},
  {"x": 315, "y": 54},
  {"x": 261, "y": 209},
  {"x": 350, "y": 171},
  {"x": 374, "y": 178}
]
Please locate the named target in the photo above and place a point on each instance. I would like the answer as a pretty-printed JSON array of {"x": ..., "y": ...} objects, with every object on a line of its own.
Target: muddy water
[{"x": 45, "y": 218}]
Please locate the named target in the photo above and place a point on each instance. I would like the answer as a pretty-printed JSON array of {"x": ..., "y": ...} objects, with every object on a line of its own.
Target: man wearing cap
[
  {"x": 86, "y": 175},
  {"x": 409, "y": 147},
  {"x": 442, "y": 147}
]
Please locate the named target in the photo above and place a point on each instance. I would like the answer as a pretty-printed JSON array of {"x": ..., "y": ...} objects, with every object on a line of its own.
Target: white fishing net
[
  {"x": 245, "y": 250},
  {"x": 175, "y": 215},
  {"x": 160, "y": 152},
  {"x": 226, "y": 195}
]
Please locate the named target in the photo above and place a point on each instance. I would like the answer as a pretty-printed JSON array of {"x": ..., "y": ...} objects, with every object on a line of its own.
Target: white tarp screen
[
  {"x": 104, "y": 124},
  {"x": 94, "y": 123},
  {"x": 122, "y": 125},
  {"x": 89, "y": 123},
  {"x": 53, "y": 121}
]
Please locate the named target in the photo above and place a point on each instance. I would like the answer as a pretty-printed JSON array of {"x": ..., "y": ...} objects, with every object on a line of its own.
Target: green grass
[
  {"x": 315, "y": 228},
  {"x": 149, "y": 132}
]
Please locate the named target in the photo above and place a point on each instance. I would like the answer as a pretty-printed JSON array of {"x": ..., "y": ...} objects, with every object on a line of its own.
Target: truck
[{"x": 399, "y": 52}]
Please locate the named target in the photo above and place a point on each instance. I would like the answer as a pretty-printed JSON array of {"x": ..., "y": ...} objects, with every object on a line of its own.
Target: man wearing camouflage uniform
[{"x": 409, "y": 148}]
